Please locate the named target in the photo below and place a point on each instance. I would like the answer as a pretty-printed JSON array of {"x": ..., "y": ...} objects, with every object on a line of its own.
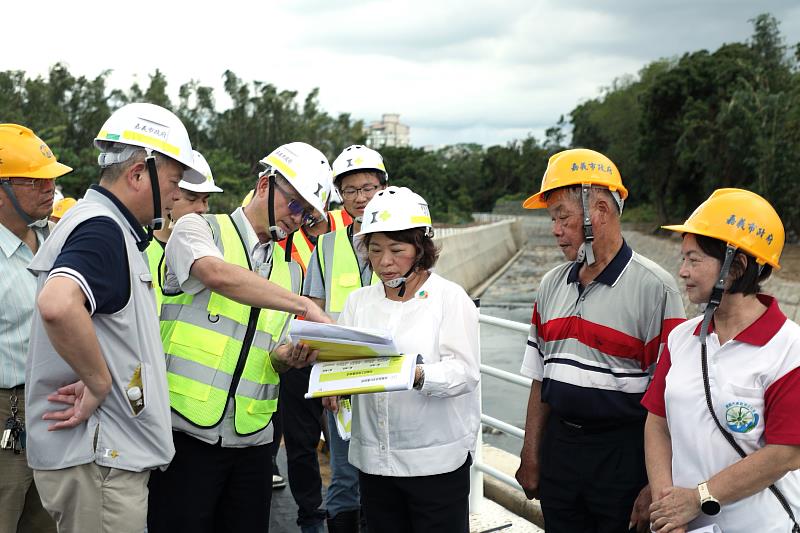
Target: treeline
[
  {"x": 684, "y": 127},
  {"x": 679, "y": 129}
]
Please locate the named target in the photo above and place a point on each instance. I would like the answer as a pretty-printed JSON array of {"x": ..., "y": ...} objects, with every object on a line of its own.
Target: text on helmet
[
  {"x": 593, "y": 166},
  {"x": 742, "y": 224}
]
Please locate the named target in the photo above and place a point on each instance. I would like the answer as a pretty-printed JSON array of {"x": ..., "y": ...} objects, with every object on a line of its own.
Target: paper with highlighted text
[{"x": 353, "y": 360}]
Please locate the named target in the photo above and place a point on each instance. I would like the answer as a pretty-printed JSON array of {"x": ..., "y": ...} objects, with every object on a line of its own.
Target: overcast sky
[{"x": 455, "y": 71}]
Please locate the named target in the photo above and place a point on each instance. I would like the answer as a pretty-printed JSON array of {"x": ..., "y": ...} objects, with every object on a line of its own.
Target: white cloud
[{"x": 456, "y": 71}]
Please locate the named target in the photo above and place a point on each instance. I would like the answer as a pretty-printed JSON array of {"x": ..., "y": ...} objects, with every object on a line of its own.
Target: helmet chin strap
[
  {"x": 158, "y": 219},
  {"x": 31, "y": 223},
  {"x": 276, "y": 232},
  {"x": 716, "y": 293},
  {"x": 586, "y": 252},
  {"x": 401, "y": 281}
]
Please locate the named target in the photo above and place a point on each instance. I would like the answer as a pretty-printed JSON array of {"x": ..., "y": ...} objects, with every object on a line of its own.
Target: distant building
[{"x": 388, "y": 132}]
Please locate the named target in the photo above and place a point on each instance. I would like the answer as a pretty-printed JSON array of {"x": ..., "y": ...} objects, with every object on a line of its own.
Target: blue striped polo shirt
[{"x": 594, "y": 348}]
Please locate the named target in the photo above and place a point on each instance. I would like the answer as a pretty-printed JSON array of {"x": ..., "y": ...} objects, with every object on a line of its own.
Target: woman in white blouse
[{"x": 414, "y": 448}]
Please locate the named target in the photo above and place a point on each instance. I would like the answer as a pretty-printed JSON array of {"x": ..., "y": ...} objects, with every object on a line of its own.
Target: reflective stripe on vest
[
  {"x": 155, "y": 260},
  {"x": 339, "y": 219},
  {"x": 339, "y": 267},
  {"x": 217, "y": 348}
]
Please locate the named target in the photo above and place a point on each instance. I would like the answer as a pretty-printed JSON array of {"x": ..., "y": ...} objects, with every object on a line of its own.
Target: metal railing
[{"x": 479, "y": 468}]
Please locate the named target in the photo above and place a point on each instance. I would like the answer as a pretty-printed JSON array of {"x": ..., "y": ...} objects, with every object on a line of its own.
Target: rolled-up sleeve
[{"x": 191, "y": 240}]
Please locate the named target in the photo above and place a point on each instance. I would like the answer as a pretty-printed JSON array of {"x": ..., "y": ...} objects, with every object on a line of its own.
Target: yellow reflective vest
[
  {"x": 217, "y": 348},
  {"x": 339, "y": 266},
  {"x": 155, "y": 260}
]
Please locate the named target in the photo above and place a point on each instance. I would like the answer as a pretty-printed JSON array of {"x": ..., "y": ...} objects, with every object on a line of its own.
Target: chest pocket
[
  {"x": 741, "y": 411},
  {"x": 348, "y": 279}
]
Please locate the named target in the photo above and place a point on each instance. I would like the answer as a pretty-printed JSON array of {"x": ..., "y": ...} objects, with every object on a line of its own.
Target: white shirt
[
  {"x": 427, "y": 432},
  {"x": 754, "y": 387}
]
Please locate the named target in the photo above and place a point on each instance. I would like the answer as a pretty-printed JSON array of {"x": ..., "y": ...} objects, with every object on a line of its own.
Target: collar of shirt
[
  {"x": 611, "y": 272},
  {"x": 259, "y": 252},
  {"x": 763, "y": 329},
  {"x": 136, "y": 228},
  {"x": 10, "y": 243}
]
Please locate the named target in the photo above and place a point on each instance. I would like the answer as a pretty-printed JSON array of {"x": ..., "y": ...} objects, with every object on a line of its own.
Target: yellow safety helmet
[
  {"x": 741, "y": 219},
  {"x": 24, "y": 155},
  {"x": 62, "y": 206},
  {"x": 577, "y": 166}
]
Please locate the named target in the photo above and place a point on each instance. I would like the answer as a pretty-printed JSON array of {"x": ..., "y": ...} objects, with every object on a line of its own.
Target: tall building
[{"x": 388, "y": 132}]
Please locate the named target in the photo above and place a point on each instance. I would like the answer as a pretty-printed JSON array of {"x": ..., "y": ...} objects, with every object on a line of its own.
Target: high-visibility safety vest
[
  {"x": 339, "y": 266},
  {"x": 302, "y": 247},
  {"x": 155, "y": 260},
  {"x": 217, "y": 348}
]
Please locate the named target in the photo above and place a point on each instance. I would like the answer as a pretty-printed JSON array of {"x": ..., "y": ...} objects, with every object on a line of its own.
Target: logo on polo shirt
[{"x": 741, "y": 417}]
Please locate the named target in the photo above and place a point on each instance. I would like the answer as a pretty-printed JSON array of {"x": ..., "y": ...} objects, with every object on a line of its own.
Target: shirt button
[
  {"x": 380, "y": 423},
  {"x": 383, "y": 448}
]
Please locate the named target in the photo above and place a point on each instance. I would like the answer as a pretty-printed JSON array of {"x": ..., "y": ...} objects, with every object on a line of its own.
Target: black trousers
[
  {"x": 208, "y": 488},
  {"x": 301, "y": 429},
  {"x": 590, "y": 479},
  {"x": 421, "y": 504}
]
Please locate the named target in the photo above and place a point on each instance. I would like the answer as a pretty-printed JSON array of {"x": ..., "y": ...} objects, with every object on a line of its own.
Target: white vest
[{"x": 114, "y": 436}]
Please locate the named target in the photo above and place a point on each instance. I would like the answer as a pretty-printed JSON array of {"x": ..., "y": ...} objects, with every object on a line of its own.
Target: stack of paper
[{"x": 353, "y": 360}]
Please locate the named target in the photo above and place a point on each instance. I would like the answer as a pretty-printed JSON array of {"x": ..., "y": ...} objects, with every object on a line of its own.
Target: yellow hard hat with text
[
  {"x": 577, "y": 166},
  {"x": 24, "y": 155},
  {"x": 742, "y": 219}
]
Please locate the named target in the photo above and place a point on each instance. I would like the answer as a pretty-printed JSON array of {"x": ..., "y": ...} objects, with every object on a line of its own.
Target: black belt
[{"x": 600, "y": 426}]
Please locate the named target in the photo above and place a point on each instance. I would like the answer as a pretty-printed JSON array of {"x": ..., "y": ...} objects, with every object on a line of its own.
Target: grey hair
[
  {"x": 116, "y": 158},
  {"x": 574, "y": 193}
]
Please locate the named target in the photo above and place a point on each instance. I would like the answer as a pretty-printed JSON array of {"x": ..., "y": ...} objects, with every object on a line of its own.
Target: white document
[
  {"x": 344, "y": 418},
  {"x": 713, "y": 528},
  {"x": 341, "y": 343},
  {"x": 361, "y": 376}
]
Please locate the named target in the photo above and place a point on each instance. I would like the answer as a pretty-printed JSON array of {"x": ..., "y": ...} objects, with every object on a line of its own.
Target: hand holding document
[{"x": 353, "y": 360}]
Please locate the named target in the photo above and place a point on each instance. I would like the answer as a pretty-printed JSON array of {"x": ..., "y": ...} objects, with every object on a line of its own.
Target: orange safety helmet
[{"x": 741, "y": 219}]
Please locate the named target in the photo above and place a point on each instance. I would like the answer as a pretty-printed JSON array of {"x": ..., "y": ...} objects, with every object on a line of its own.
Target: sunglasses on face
[{"x": 297, "y": 208}]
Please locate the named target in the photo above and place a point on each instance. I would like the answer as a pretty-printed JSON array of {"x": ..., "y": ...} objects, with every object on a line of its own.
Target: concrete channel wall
[{"x": 471, "y": 255}]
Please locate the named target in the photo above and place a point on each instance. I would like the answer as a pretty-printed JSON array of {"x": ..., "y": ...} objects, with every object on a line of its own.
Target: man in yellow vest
[
  {"x": 223, "y": 330},
  {"x": 305, "y": 239},
  {"x": 193, "y": 199},
  {"x": 334, "y": 272}
]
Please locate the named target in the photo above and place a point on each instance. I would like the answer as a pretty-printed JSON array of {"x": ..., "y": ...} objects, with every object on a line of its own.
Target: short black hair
[
  {"x": 745, "y": 280},
  {"x": 372, "y": 172},
  {"x": 427, "y": 252}
]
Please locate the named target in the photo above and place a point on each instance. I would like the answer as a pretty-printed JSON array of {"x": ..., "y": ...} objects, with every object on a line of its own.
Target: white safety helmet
[
  {"x": 201, "y": 167},
  {"x": 145, "y": 126},
  {"x": 396, "y": 209},
  {"x": 307, "y": 170},
  {"x": 359, "y": 157}
]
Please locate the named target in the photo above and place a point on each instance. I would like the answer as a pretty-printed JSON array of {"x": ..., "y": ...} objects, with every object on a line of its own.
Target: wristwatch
[{"x": 708, "y": 504}]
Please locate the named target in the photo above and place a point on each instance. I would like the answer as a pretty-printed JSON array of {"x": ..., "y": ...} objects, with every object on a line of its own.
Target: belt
[
  {"x": 605, "y": 426},
  {"x": 12, "y": 389}
]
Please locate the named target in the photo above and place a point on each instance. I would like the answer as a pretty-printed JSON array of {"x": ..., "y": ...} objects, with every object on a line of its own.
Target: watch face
[{"x": 710, "y": 507}]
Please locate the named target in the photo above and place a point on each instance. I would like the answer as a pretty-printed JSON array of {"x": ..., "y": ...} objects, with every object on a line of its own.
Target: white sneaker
[{"x": 278, "y": 482}]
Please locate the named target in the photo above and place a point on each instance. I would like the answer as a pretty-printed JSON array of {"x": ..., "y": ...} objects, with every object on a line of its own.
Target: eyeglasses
[
  {"x": 296, "y": 208},
  {"x": 30, "y": 183},
  {"x": 352, "y": 192}
]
